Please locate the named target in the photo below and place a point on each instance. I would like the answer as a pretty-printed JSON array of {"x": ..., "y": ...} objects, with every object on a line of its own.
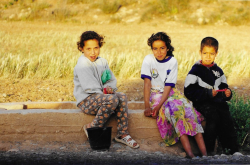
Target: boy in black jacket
[{"x": 206, "y": 86}]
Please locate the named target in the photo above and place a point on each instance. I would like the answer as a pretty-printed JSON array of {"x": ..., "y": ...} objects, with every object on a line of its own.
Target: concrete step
[{"x": 63, "y": 121}]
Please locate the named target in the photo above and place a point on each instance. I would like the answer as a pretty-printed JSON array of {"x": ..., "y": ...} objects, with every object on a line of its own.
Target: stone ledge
[
  {"x": 29, "y": 124},
  {"x": 65, "y": 125}
]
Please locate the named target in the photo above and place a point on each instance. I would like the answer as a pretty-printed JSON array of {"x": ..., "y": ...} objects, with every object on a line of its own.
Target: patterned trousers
[{"x": 103, "y": 106}]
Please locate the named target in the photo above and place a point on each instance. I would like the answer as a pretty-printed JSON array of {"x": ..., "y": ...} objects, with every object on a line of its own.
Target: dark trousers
[{"x": 219, "y": 123}]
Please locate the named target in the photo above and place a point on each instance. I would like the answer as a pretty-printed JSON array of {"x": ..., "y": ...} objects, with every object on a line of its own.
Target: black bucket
[{"x": 100, "y": 137}]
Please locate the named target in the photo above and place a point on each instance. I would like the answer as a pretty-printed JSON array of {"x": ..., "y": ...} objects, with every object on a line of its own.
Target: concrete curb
[{"x": 65, "y": 125}]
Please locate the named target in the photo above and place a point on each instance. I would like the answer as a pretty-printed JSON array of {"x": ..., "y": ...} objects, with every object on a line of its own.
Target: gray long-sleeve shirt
[{"x": 87, "y": 77}]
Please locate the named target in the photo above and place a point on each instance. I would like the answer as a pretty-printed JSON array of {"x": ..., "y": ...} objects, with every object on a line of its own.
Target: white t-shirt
[{"x": 161, "y": 73}]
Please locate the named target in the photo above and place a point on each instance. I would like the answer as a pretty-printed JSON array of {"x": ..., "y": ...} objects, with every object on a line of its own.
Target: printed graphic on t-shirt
[
  {"x": 216, "y": 73},
  {"x": 155, "y": 73},
  {"x": 168, "y": 71}
]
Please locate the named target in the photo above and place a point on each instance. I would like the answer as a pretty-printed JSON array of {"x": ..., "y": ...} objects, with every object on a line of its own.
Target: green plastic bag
[{"x": 106, "y": 75}]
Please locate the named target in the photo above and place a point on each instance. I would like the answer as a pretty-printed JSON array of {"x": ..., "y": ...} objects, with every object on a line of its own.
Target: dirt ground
[{"x": 54, "y": 90}]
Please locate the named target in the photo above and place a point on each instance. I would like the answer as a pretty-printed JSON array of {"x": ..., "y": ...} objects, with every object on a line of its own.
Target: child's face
[
  {"x": 159, "y": 49},
  {"x": 208, "y": 55},
  {"x": 91, "y": 49}
]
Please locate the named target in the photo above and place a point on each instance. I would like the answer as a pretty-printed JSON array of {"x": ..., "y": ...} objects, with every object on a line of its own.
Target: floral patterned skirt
[{"x": 176, "y": 116}]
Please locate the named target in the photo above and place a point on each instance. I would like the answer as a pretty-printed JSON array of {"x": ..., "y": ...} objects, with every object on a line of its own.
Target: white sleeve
[
  {"x": 145, "y": 68},
  {"x": 171, "y": 76}
]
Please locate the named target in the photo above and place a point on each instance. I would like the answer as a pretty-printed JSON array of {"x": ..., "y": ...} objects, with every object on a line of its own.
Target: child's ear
[{"x": 81, "y": 49}]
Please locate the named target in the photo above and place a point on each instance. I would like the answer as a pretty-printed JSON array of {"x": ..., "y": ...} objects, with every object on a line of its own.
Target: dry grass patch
[{"x": 40, "y": 50}]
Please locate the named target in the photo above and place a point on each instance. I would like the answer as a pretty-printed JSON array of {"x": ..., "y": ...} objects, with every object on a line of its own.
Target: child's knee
[
  {"x": 114, "y": 102},
  {"x": 110, "y": 101},
  {"x": 121, "y": 96}
]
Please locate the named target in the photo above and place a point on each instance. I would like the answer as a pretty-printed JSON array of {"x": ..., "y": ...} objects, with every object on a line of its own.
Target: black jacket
[{"x": 201, "y": 80}]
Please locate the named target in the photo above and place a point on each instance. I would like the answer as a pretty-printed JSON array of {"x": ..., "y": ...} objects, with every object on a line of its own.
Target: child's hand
[
  {"x": 214, "y": 92},
  {"x": 148, "y": 112},
  {"x": 108, "y": 90},
  {"x": 155, "y": 112},
  {"x": 228, "y": 93}
]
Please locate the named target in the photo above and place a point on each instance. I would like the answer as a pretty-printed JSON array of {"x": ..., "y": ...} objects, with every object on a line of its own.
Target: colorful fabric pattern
[{"x": 176, "y": 116}]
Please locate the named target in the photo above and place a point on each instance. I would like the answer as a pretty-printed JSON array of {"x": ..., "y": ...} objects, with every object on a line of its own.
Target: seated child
[
  {"x": 95, "y": 91},
  {"x": 206, "y": 86}
]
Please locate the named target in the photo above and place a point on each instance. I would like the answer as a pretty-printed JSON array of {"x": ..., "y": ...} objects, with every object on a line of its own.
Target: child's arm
[
  {"x": 146, "y": 76},
  {"x": 194, "y": 91},
  {"x": 170, "y": 82},
  {"x": 112, "y": 82},
  {"x": 164, "y": 97},
  {"x": 225, "y": 95},
  {"x": 147, "y": 88}
]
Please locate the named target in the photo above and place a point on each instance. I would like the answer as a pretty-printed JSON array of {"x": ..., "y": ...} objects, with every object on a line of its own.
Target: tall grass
[{"x": 49, "y": 50}]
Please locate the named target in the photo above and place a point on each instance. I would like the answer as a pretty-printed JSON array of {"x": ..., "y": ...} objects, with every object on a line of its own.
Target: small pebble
[
  {"x": 238, "y": 154},
  {"x": 117, "y": 146},
  {"x": 13, "y": 150}
]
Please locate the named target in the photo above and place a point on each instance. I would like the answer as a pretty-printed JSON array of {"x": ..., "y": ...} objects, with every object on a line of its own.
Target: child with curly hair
[{"x": 95, "y": 88}]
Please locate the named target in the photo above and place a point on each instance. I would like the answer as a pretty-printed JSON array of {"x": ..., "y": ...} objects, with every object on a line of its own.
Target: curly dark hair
[
  {"x": 163, "y": 37},
  {"x": 210, "y": 42},
  {"x": 89, "y": 35}
]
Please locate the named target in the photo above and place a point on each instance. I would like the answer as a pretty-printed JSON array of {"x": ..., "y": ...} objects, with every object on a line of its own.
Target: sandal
[
  {"x": 128, "y": 142},
  {"x": 85, "y": 130}
]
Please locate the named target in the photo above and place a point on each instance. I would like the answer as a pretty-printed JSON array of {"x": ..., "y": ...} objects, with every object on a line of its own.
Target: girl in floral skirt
[{"x": 176, "y": 118}]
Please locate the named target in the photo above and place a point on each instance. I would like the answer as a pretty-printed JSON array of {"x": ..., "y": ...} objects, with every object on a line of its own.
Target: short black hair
[
  {"x": 90, "y": 35},
  {"x": 211, "y": 42},
  {"x": 163, "y": 37}
]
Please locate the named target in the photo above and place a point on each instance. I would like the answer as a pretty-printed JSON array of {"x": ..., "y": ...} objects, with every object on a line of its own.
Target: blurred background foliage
[{"x": 204, "y": 12}]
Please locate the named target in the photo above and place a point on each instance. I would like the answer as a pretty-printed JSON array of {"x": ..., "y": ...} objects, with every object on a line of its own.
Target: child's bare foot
[{"x": 190, "y": 155}]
